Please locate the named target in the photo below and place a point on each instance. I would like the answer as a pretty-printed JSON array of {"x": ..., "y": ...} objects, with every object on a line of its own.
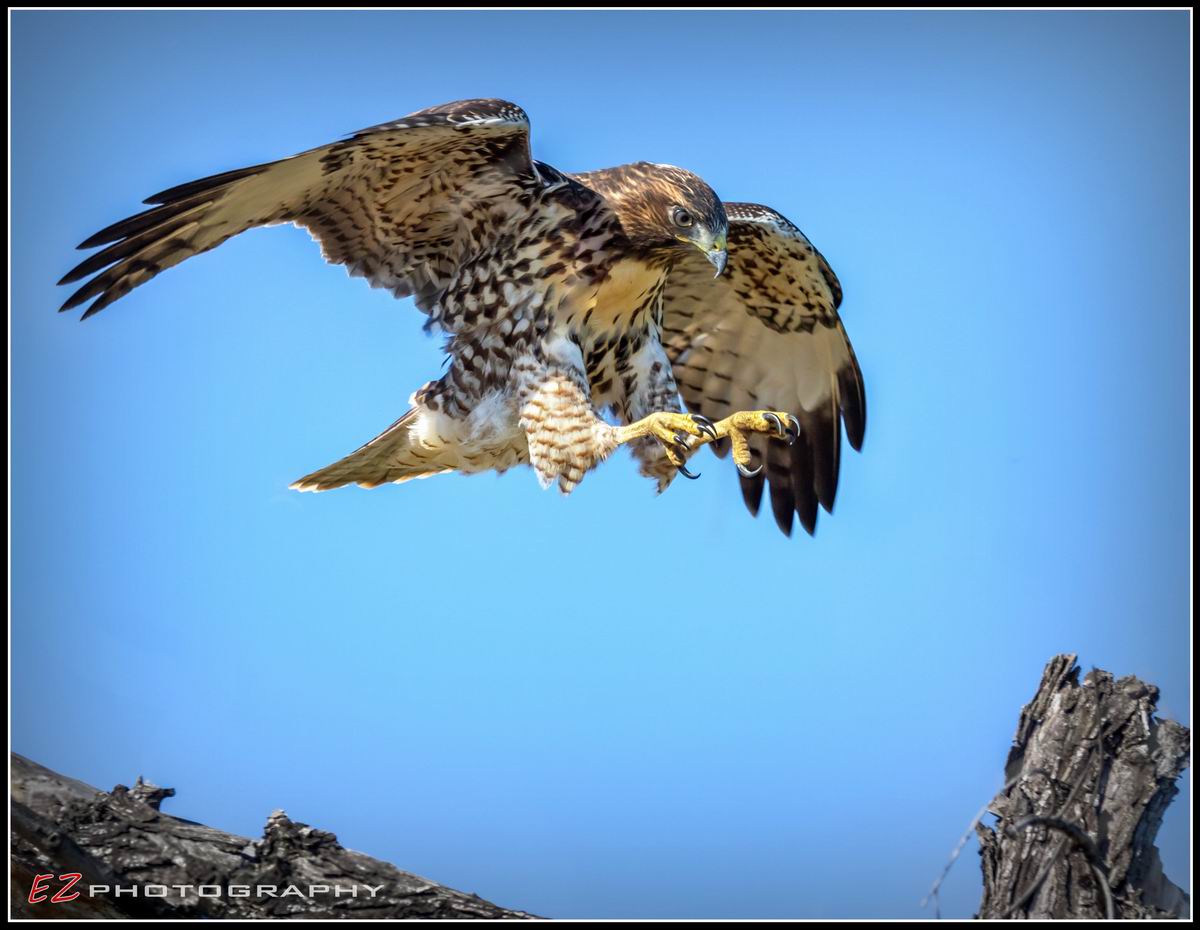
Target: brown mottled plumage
[{"x": 561, "y": 296}]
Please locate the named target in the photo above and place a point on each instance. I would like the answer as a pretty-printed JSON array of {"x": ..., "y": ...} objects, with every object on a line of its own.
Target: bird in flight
[{"x": 578, "y": 308}]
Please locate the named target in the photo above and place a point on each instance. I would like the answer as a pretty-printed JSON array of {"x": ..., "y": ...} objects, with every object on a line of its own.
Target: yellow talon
[
  {"x": 737, "y": 425},
  {"x": 682, "y": 433},
  {"x": 679, "y": 433}
]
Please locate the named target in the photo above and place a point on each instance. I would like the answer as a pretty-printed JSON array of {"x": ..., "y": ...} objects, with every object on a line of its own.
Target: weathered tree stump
[
  {"x": 168, "y": 867},
  {"x": 1089, "y": 776}
]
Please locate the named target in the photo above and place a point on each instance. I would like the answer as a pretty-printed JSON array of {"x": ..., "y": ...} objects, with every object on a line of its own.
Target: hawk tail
[{"x": 390, "y": 457}]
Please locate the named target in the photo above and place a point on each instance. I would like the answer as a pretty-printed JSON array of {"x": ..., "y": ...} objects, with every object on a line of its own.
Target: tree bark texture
[
  {"x": 1089, "y": 776},
  {"x": 180, "y": 869}
]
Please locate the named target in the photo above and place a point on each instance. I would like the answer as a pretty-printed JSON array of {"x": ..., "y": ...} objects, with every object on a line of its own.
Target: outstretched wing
[
  {"x": 766, "y": 336},
  {"x": 400, "y": 204}
]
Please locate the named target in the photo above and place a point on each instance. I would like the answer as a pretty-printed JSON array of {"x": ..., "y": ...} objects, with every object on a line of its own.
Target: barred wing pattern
[
  {"x": 766, "y": 335},
  {"x": 400, "y": 204}
]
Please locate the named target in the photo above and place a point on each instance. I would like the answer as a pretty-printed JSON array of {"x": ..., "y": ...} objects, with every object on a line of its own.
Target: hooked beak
[{"x": 718, "y": 252}]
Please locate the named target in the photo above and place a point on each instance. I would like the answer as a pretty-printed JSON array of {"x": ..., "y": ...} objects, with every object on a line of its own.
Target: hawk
[{"x": 578, "y": 309}]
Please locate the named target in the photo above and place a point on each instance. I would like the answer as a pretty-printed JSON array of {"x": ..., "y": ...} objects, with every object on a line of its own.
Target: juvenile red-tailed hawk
[{"x": 561, "y": 296}]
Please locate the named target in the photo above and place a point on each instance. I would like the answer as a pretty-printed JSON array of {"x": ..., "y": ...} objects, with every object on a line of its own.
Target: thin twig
[{"x": 937, "y": 885}]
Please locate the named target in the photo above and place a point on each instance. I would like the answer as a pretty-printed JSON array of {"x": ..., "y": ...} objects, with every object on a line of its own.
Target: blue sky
[{"x": 611, "y": 704}]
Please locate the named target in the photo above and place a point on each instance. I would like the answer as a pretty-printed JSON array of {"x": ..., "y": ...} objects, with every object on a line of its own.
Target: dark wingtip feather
[
  {"x": 119, "y": 229},
  {"x": 204, "y": 185},
  {"x": 783, "y": 511},
  {"x": 79, "y": 297},
  {"x": 131, "y": 226},
  {"x": 126, "y": 247},
  {"x": 107, "y": 287},
  {"x": 855, "y": 430},
  {"x": 779, "y": 478},
  {"x": 808, "y": 519},
  {"x": 97, "y": 239},
  {"x": 826, "y": 439},
  {"x": 852, "y": 399},
  {"x": 102, "y": 301},
  {"x": 752, "y": 492},
  {"x": 802, "y": 483},
  {"x": 86, "y": 267}
]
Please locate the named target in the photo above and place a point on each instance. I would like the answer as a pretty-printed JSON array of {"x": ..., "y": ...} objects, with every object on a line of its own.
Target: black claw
[
  {"x": 681, "y": 452},
  {"x": 705, "y": 424},
  {"x": 746, "y": 472},
  {"x": 790, "y": 432}
]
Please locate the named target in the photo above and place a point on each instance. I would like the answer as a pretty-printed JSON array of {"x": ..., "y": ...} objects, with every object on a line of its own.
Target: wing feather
[
  {"x": 400, "y": 204},
  {"x": 766, "y": 335}
]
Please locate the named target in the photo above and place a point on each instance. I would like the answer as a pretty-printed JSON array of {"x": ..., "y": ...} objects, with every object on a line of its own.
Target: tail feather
[{"x": 392, "y": 456}]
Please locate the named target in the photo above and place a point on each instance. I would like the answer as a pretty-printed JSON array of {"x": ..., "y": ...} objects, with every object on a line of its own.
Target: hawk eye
[{"x": 680, "y": 217}]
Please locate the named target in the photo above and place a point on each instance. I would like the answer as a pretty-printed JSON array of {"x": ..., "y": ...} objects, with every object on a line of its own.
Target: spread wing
[
  {"x": 400, "y": 204},
  {"x": 766, "y": 336}
]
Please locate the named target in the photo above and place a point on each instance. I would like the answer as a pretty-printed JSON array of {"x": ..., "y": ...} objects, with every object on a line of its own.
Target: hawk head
[{"x": 664, "y": 209}]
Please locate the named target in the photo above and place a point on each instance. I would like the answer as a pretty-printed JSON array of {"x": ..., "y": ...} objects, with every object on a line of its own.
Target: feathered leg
[{"x": 566, "y": 438}]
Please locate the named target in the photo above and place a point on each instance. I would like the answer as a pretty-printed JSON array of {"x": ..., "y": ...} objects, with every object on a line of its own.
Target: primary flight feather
[{"x": 563, "y": 297}]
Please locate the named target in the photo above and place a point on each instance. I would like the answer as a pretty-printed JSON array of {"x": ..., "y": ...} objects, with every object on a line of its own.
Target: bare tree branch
[{"x": 168, "y": 867}]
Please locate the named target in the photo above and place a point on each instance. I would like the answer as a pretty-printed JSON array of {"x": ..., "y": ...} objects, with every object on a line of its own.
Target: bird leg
[{"x": 676, "y": 432}]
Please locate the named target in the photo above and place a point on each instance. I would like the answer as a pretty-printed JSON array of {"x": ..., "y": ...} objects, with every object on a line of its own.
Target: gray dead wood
[
  {"x": 1089, "y": 776},
  {"x": 60, "y": 825}
]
